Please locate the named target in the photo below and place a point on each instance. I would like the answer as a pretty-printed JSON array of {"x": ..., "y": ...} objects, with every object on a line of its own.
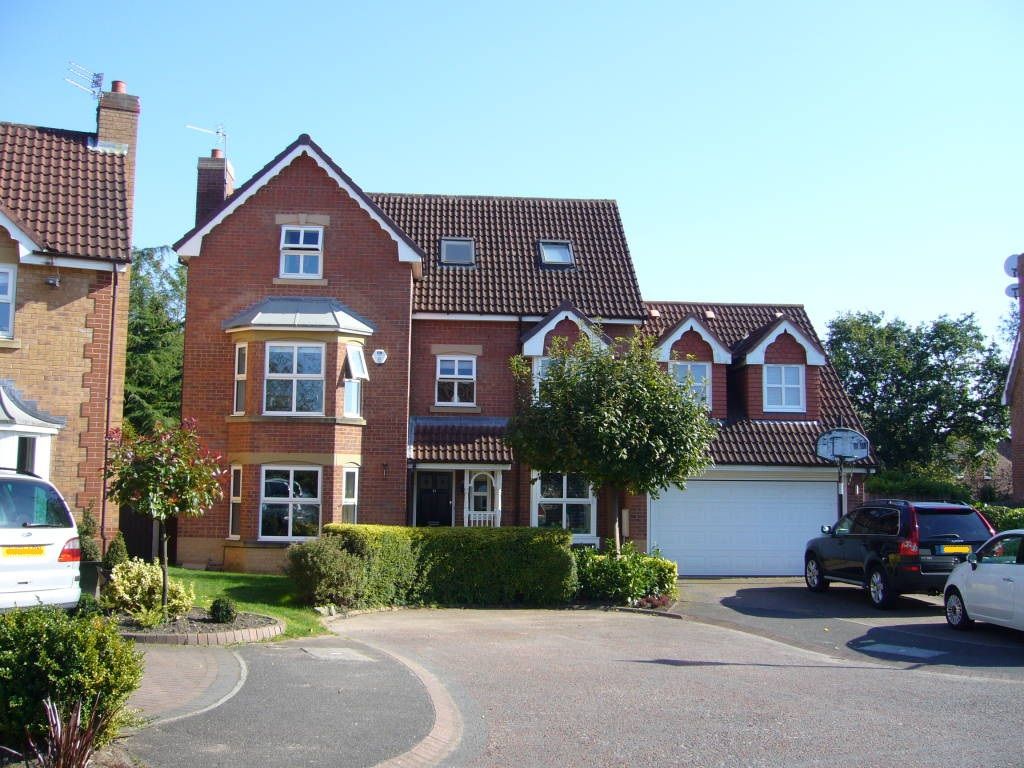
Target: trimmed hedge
[
  {"x": 458, "y": 566},
  {"x": 625, "y": 579},
  {"x": 46, "y": 652},
  {"x": 325, "y": 574},
  {"x": 1003, "y": 518},
  {"x": 908, "y": 485}
]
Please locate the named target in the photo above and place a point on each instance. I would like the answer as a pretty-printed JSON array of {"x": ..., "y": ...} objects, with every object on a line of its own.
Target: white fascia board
[
  {"x": 765, "y": 473},
  {"x": 475, "y": 318},
  {"x": 719, "y": 353},
  {"x": 468, "y": 466},
  {"x": 26, "y": 244},
  {"x": 28, "y": 430},
  {"x": 70, "y": 262},
  {"x": 192, "y": 246},
  {"x": 534, "y": 346},
  {"x": 1011, "y": 376},
  {"x": 814, "y": 357}
]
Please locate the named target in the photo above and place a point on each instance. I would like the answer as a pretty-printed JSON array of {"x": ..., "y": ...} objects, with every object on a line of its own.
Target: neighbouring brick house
[
  {"x": 1013, "y": 392},
  {"x": 65, "y": 251},
  {"x": 348, "y": 354}
]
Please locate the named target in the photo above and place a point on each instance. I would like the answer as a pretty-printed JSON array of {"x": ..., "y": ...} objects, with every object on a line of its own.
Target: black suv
[{"x": 889, "y": 547}]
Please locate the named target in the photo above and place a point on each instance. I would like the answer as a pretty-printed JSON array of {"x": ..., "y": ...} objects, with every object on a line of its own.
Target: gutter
[{"x": 106, "y": 417}]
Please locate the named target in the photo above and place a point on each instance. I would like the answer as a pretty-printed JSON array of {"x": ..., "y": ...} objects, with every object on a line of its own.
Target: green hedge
[
  {"x": 1003, "y": 518},
  {"x": 46, "y": 652},
  {"x": 921, "y": 487},
  {"x": 458, "y": 566},
  {"x": 624, "y": 579}
]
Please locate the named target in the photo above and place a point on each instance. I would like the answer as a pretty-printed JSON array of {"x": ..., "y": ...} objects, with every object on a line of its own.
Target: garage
[{"x": 730, "y": 527}]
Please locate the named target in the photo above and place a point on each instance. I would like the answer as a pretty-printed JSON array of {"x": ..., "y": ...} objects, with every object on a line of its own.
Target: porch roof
[{"x": 459, "y": 440}]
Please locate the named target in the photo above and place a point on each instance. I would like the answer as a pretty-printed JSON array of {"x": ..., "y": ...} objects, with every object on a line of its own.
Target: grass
[{"x": 255, "y": 593}]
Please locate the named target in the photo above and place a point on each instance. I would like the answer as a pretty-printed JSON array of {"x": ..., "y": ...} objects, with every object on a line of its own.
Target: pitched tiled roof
[
  {"x": 459, "y": 440},
  {"x": 69, "y": 198},
  {"x": 508, "y": 277},
  {"x": 745, "y": 441}
]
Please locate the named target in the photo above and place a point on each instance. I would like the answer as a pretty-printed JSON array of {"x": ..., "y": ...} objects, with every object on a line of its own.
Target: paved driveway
[
  {"x": 586, "y": 688},
  {"x": 841, "y": 622}
]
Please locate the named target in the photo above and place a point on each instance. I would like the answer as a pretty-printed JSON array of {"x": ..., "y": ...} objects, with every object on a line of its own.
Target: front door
[{"x": 434, "y": 498}]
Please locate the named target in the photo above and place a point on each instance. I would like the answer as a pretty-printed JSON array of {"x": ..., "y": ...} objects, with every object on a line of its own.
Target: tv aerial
[
  {"x": 85, "y": 80},
  {"x": 219, "y": 132}
]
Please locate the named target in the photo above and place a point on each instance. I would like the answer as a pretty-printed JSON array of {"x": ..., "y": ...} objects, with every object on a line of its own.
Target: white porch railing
[{"x": 483, "y": 519}]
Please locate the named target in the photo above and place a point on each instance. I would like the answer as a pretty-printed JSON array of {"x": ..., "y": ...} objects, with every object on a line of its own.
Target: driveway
[
  {"x": 841, "y": 622},
  {"x": 585, "y": 688}
]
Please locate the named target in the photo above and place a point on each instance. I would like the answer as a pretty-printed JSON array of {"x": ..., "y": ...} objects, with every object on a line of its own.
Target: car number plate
[
  {"x": 23, "y": 551},
  {"x": 954, "y": 549}
]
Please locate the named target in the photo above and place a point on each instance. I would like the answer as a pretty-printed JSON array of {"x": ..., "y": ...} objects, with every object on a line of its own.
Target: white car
[
  {"x": 990, "y": 585},
  {"x": 40, "y": 553}
]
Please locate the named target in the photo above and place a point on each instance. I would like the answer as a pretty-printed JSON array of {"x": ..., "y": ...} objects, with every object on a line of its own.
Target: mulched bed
[{"x": 197, "y": 621}]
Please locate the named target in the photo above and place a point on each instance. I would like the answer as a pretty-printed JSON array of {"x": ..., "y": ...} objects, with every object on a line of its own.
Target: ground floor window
[
  {"x": 235, "y": 503},
  {"x": 350, "y": 496},
  {"x": 290, "y": 503},
  {"x": 565, "y": 500}
]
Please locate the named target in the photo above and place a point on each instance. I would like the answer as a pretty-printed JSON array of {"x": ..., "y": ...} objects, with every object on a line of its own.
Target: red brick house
[
  {"x": 1013, "y": 392},
  {"x": 65, "y": 250},
  {"x": 348, "y": 353}
]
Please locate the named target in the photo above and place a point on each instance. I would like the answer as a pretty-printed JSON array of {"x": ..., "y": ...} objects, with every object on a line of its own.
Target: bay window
[
  {"x": 294, "y": 379},
  {"x": 290, "y": 502}
]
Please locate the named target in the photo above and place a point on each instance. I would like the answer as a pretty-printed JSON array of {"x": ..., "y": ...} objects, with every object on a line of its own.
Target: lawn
[{"x": 255, "y": 593}]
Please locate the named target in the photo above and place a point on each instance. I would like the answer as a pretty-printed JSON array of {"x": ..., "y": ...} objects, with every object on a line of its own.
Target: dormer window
[
  {"x": 556, "y": 253},
  {"x": 457, "y": 250},
  {"x": 696, "y": 376},
  {"x": 784, "y": 388},
  {"x": 302, "y": 252}
]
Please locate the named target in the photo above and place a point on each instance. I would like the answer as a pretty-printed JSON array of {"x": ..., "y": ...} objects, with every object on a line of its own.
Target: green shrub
[
  {"x": 624, "y": 579},
  {"x": 389, "y": 562},
  {"x": 116, "y": 554},
  {"x": 1003, "y": 518},
  {"x": 47, "y": 652},
  {"x": 135, "y": 587},
  {"x": 324, "y": 573},
  {"x": 494, "y": 566},
  {"x": 915, "y": 486},
  {"x": 87, "y": 529},
  {"x": 223, "y": 610}
]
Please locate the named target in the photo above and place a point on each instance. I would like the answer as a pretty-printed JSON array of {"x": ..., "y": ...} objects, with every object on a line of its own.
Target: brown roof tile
[
  {"x": 508, "y": 277},
  {"x": 70, "y": 198},
  {"x": 769, "y": 442},
  {"x": 459, "y": 440}
]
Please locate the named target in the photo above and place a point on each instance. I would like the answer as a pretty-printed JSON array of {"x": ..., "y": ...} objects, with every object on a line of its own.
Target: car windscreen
[
  {"x": 947, "y": 523},
  {"x": 30, "y": 504}
]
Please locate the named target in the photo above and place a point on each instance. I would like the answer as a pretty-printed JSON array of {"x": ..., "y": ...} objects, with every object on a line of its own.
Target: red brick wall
[
  {"x": 1017, "y": 436},
  {"x": 242, "y": 254}
]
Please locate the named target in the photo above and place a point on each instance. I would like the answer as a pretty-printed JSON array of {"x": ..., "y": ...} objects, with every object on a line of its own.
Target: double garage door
[{"x": 740, "y": 528}]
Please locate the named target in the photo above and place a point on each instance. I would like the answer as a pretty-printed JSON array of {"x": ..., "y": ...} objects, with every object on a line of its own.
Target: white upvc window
[
  {"x": 289, "y": 503},
  {"x": 458, "y": 250},
  {"x": 350, "y": 496},
  {"x": 241, "y": 367},
  {"x": 556, "y": 253},
  {"x": 8, "y": 282},
  {"x": 784, "y": 388},
  {"x": 456, "y": 380},
  {"x": 294, "y": 381},
  {"x": 695, "y": 375},
  {"x": 302, "y": 252},
  {"x": 355, "y": 374},
  {"x": 540, "y": 372},
  {"x": 566, "y": 500},
  {"x": 235, "y": 503}
]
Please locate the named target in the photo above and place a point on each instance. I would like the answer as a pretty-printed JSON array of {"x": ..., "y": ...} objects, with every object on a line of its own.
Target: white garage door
[{"x": 740, "y": 528}]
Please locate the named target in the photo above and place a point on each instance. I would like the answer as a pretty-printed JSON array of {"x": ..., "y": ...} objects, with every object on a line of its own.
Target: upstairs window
[
  {"x": 540, "y": 371},
  {"x": 241, "y": 363},
  {"x": 456, "y": 380},
  {"x": 355, "y": 375},
  {"x": 8, "y": 279},
  {"x": 557, "y": 253},
  {"x": 784, "y": 388},
  {"x": 302, "y": 252},
  {"x": 294, "y": 379},
  {"x": 457, "y": 250},
  {"x": 695, "y": 375}
]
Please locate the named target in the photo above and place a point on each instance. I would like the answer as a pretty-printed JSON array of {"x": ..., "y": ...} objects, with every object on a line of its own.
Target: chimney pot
[
  {"x": 118, "y": 86},
  {"x": 216, "y": 152}
]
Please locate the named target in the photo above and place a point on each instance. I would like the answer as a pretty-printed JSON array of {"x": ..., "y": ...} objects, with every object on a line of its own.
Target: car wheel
[
  {"x": 956, "y": 611},
  {"x": 814, "y": 575},
  {"x": 878, "y": 588}
]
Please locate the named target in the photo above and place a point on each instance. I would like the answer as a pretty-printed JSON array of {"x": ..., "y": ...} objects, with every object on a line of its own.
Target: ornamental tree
[
  {"x": 614, "y": 417},
  {"x": 164, "y": 474}
]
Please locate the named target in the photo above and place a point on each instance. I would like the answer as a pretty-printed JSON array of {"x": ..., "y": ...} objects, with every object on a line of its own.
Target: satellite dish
[
  {"x": 843, "y": 445},
  {"x": 1013, "y": 290},
  {"x": 1010, "y": 265}
]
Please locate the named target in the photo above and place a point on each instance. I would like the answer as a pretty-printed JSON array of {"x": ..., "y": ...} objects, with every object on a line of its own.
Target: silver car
[
  {"x": 39, "y": 547},
  {"x": 990, "y": 585}
]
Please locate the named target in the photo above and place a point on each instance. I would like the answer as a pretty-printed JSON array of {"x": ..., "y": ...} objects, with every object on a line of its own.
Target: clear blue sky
[{"x": 846, "y": 156}]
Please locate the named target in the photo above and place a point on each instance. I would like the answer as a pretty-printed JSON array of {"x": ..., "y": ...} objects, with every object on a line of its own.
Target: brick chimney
[
  {"x": 215, "y": 182},
  {"x": 117, "y": 129}
]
